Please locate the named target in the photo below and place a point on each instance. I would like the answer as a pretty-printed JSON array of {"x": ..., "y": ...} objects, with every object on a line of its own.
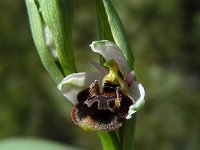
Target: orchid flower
[{"x": 103, "y": 100}]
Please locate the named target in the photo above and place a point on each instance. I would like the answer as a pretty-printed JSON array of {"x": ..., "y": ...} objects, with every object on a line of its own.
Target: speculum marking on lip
[{"x": 104, "y": 110}]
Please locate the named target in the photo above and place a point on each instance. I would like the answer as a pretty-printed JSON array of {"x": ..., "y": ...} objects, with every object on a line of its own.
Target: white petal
[
  {"x": 137, "y": 93},
  {"x": 74, "y": 83},
  {"x": 110, "y": 51}
]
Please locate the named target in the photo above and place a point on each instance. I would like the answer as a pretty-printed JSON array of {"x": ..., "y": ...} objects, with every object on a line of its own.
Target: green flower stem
[
  {"x": 109, "y": 140},
  {"x": 37, "y": 28},
  {"x": 128, "y": 133},
  {"x": 57, "y": 16}
]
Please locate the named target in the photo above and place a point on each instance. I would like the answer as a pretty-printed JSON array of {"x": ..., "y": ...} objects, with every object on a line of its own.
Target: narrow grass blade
[
  {"x": 118, "y": 32},
  {"x": 37, "y": 28},
  {"x": 57, "y": 16}
]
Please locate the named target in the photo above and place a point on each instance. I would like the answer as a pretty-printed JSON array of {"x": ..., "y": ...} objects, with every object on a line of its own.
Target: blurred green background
[{"x": 165, "y": 36}]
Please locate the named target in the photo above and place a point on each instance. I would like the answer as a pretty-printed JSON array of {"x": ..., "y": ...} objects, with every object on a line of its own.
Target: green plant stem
[
  {"x": 109, "y": 140},
  {"x": 128, "y": 133}
]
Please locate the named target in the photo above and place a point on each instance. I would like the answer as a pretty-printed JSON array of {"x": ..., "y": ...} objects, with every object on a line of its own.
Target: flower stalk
[{"x": 109, "y": 140}]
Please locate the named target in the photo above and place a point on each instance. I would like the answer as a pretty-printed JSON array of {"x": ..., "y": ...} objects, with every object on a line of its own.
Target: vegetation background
[{"x": 165, "y": 36}]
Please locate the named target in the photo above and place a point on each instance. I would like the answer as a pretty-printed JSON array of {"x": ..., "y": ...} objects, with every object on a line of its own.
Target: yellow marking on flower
[
  {"x": 114, "y": 75},
  {"x": 117, "y": 103},
  {"x": 117, "y": 100}
]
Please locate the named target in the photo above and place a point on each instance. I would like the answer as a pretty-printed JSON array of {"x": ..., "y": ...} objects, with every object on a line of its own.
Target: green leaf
[
  {"x": 103, "y": 25},
  {"x": 37, "y": 28},
  {"x": 118, "y": 32},
  {"x": 32, "y": 144},
  {"x": 57, "y": 16},
  {"x": 109, "y": 140}
]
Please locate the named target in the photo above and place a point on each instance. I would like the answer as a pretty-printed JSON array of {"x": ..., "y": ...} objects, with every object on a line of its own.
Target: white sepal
[
  {"x": 110, "y": 51},
  {"x": 74, "y": 83}
]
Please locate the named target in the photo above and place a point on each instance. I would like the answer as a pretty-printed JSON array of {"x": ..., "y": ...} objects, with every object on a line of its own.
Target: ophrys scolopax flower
[{"x": 103, "y": 100}]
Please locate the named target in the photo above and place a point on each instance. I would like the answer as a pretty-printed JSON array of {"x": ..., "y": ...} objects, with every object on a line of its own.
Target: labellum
[{"x": 101, "y": 110}]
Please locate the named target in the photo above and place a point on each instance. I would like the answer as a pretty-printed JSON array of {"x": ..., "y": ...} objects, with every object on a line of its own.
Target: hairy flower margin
[{"x": 103, "y": 100}]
